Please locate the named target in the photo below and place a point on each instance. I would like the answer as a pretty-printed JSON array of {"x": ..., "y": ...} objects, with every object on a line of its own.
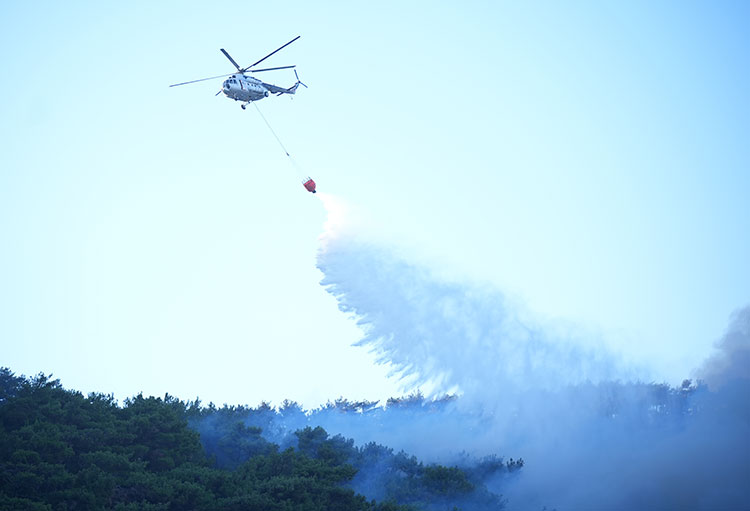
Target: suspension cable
[{"x": 272, "y": 131}]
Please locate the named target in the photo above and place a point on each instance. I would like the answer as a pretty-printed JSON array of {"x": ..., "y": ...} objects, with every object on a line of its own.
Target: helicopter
[{"x": 241, "y": 87}]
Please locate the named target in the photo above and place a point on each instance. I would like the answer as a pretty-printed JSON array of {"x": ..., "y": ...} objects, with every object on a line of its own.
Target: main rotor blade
[
  {"x": 270, "y": 69},
  {"x": 202, "y": 80},
  {"x": 264, "y": 58},
  {"x": 231, "y": 59}
]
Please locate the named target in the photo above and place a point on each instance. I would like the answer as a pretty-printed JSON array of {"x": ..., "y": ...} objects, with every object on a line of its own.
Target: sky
[{"x": 587, "y": 160}]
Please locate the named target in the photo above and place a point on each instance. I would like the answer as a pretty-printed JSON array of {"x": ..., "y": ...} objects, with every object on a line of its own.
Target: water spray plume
[
  {"x": 592, "y": 438},
  {"x": 450, "y": 335},
  {"x": 340, "y": 221}
]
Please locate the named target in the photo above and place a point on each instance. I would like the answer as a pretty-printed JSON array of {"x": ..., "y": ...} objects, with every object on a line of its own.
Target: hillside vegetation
[{"x": 61, "y": 450}]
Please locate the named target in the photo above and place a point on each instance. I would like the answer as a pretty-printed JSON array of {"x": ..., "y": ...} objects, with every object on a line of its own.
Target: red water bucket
[{"x": 309, "y": 185}]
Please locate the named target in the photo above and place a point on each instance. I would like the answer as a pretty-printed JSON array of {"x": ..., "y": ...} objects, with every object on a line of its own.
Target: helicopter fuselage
[
  {"x": 241, "y": 87},
  {"x": 244, "y": 88}
]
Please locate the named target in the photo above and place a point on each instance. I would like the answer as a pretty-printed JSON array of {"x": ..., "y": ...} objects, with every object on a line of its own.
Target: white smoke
[{"x": 732, "y": 358}]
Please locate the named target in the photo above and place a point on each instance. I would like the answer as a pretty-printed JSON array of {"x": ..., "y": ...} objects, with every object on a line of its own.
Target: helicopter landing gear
[{"x": 245, "y": 105}]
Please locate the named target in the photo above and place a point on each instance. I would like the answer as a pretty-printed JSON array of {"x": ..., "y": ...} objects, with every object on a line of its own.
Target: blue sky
[{"x": 588, "y": 159}]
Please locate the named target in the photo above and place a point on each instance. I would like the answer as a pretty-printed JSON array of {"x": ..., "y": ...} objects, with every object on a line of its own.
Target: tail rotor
[{"x": 298, "y": 80}]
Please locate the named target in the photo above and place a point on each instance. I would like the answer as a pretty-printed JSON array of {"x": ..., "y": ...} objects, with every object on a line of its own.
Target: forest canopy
[{"x": 62, "y": 450}]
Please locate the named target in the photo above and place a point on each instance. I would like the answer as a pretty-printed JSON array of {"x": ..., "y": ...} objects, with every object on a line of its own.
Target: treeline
[
  {"x": 229, "y": 436},
  {"x": 61, "y": 450},
  {"x": 458, "y": 434}
]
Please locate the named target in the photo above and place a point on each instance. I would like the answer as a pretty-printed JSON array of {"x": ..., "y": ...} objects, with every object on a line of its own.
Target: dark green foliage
[
  {"x": 227, "y": 438},
  {"x": 399, "y": 477},
  {"x": 9, "y": 384},
  {"x": 62, "y": 451},
  {"x": 315, "y": 443},
  {"x": 232, "y": 434},
  {"x": 485, "y": 468},
  {"x": 446, "y": 480}
]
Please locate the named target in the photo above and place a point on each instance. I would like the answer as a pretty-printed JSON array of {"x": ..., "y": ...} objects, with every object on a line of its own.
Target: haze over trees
[
  {"x": 62, "y": 450},
  {"x": 646, "y": 446}
]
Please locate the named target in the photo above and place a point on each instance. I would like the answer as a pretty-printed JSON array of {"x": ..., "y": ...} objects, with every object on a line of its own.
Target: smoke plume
[{"x": 732, "y": 359}]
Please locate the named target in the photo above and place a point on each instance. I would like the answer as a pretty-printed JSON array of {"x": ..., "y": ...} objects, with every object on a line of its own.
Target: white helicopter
[{"x": 241, "y": 87}]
